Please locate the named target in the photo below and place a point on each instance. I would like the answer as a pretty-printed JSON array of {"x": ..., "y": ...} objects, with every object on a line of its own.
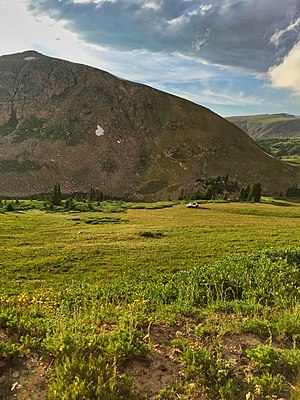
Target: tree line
[{"x": 222, "y": 187}]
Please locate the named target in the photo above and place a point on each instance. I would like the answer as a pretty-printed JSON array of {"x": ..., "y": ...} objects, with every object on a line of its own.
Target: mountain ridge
[
  {"x": 80, "y": 126},
  {"x": 268, "y": 126}
]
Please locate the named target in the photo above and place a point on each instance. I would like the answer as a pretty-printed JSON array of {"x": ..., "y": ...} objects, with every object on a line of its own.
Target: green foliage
[
  {"x": 31, "y": 127},
  {"x": 291, "y": 361},
  {"x": 251, "y": 193},
  {"x": 112, "y": 303},
  {"x": 274, "y": 368},
  {"x": 266, "y": 385},
  {"x": 82, "y": 203},
  {"x": 215, "y": 373},
  {"x": 149, "y": 234},
  {"x": 258, "y": 326},
  {"x": 87, "y": 376},
  {"x": 103, "y": 220},
  {"x": 264, "y": 358},
  {"x": 9, "y": 207},
  {"x": 69, "y": 204},
  {"x": 152, "y": 206},
  {"x": 94, "y": 194},
  {"x": 124, "y": 343},
  {"x": 55, "y": 197},
  {"x": 9, "y": 350},
  {"x": 214, "y": 187},
  {"x": 256, "y": 193},
  {"x": 293, "y": 191},
  {"x": 281, "y": 147}
]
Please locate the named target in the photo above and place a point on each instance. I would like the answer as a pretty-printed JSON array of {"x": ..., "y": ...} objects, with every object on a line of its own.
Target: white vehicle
[{"x": 192, "y": 205}]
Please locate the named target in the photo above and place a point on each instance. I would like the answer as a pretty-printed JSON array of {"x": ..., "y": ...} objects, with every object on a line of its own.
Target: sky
[{"x": 236, "y": 57}]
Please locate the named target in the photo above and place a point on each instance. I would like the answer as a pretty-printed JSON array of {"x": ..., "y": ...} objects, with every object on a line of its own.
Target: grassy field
[
  {"x": 162, "y": 303},
  {"x": 292, "y": 159},
  {"x": 40, "y": 248}
]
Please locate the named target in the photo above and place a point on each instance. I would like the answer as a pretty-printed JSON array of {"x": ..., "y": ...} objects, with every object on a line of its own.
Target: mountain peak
[
  {"x": 73, "y": 124},
  {"x": 22, "y": 55}
]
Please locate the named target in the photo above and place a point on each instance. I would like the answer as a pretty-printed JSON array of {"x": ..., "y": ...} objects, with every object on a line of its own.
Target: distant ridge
[
  {"x": 80, "y": 126},
  {"x": 267, "y": 126}
]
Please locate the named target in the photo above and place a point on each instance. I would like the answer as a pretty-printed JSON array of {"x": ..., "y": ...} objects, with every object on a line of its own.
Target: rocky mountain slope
[
  {"x": 267, "y": 126},
  {"x": 82, "y": 127}
]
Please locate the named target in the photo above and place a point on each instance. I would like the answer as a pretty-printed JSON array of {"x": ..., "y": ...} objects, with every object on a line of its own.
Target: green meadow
[
  {"x": 151, "y": 301},
  {"x": 38, "y": 248}
]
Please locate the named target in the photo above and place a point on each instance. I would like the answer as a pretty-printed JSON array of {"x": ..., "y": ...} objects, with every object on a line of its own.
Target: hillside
[
  {"x": 82, "y": 127},
  {"x": 277, "y": 134},
  {"x": 267, "y": 126}
]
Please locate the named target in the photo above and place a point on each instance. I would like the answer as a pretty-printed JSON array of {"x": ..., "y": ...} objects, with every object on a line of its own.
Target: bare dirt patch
[
  {"x": 25, "y": 378},
  {"x": 161, "y": 368}
]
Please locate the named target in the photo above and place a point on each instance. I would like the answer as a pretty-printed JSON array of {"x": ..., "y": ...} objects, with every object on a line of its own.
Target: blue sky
[{"x": 236, "y": 57}]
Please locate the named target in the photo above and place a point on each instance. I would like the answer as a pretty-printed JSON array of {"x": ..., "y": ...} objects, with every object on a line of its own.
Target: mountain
[
  {"x": 267, "y": 126},
  {"x": 83, "y": 127}
]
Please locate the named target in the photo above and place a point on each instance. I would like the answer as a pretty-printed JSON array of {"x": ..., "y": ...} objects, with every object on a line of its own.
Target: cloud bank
[
  {"x": 287, "y": 74},
  {"x": 253, "y": 35},
  {"x": 233, "y": 56}
]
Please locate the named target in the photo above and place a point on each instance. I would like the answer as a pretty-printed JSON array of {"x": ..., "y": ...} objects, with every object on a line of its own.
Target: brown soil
[
  {"x": 159, "y": 370},
  {"x": 23, "y": 379}
]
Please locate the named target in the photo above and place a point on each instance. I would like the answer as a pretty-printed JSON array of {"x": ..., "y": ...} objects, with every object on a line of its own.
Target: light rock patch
[{"x": 99, "y": 131}]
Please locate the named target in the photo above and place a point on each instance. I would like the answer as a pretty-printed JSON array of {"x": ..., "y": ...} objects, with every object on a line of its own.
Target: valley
[
  {"x": 277, "y": 134},
  {"x": 111, "y": 287}
]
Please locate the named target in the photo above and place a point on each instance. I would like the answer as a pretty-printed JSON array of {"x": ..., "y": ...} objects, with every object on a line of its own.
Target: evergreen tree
[
  {"x": 256, "y": 192},
  {"x": 10, "y": 207},
  {"x": 55, "y": 198},
  {"x": 242, "y": 194},
  {"x": 293, "y": 191},
  {"x": 196, "y": 194},
  {"x": 247, "y": 192},
  {"x": 182, "y": 195},
  {"x": 250, "y": 194},
  {"x": 208, "y": 194}
]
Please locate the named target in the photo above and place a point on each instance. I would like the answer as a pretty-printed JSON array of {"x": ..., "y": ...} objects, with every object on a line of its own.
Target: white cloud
[
  {"x": 89, "y": 1},
  {"x": 287, "y": 74},
  {"x": 280, "y": 33},
  {"x": 224, "y": 98},
  {"x": 202, "y": 10},
  {"x": 152, "y": 5},
  {"x": 197, "y": 49},
  {"x": 181, "y": 26},
  {"x": 22, "y": 31}
]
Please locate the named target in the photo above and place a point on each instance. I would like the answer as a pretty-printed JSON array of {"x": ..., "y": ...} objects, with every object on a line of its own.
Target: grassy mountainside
[
  {"x": 267, "y": 126},
  {"x": 82, "y": 127},
  {"x": 277, "y": 134}
]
